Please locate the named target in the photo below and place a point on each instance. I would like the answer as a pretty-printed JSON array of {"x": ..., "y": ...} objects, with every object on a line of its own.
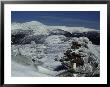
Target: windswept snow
[
  {"x": 30, "y": 71},
  {"x": 22, "y": 66}
]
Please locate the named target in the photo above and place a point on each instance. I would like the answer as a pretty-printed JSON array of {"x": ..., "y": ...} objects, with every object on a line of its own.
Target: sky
[{"x": 89, "y": 19}]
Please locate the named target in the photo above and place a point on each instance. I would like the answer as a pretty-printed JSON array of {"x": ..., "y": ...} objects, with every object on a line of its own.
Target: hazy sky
[{"x": 90, "y": 19}]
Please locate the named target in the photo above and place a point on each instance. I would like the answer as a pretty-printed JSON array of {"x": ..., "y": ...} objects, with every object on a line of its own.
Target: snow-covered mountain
[
  {"x": 21, "y": 31},
  {"x": 35, "y": 25},
  {"x": 37, "y": 48}
]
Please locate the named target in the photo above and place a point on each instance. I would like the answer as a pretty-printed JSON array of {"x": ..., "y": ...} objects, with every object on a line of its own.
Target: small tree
[
  {"x": 80, "y": 59},
  {"x": 72, "y": 58}
]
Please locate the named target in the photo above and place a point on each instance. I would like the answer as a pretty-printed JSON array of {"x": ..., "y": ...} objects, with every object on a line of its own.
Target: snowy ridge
[{"x": 35, "y": 25}]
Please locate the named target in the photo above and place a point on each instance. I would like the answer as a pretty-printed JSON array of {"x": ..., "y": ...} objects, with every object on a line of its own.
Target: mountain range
[{"x": 24, "y": 33}]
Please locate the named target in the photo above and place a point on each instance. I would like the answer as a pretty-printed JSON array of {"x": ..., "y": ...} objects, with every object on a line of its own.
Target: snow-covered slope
[
  {"x": 19, "y": 70},
  {"x": 46, "y": 57}
]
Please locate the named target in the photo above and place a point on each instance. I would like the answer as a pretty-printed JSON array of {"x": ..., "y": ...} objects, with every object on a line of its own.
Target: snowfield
[{"x": 37, "y": 48}]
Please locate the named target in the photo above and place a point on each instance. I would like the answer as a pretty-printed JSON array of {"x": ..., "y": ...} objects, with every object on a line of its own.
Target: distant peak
[{"x": 34, "y": 23}]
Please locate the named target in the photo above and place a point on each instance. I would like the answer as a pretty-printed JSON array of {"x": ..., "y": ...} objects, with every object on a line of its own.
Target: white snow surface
[
  {"x": 23, "y": 67},
  {"x": 19, "y": 70}
]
